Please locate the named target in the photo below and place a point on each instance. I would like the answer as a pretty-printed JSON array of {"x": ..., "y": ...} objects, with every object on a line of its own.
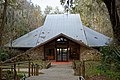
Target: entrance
[{"x": 62, "y": 54}]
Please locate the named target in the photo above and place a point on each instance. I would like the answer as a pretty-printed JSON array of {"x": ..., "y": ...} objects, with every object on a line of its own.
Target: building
[{"x": 63, "y": 37}]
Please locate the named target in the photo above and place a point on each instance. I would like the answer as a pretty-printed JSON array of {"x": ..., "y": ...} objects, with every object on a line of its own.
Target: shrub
[{"x": 3, "y": 56}]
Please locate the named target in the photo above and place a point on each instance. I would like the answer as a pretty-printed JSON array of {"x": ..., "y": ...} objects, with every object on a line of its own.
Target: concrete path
[{"x": 56, "y": 72}]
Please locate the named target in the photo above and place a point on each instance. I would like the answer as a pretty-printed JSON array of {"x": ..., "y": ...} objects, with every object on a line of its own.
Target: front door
[{"x": 62, "y": 54}]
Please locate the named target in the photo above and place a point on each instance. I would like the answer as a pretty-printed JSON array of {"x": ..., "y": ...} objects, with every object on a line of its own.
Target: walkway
[{"x": 58, "y": 71}]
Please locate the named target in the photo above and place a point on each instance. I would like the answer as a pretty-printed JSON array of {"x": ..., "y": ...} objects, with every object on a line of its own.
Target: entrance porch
[{"x": 61, "y": 49}]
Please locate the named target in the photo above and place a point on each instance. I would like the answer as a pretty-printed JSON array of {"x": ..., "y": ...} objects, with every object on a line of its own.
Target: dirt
[{"x": 97, "y": 77}]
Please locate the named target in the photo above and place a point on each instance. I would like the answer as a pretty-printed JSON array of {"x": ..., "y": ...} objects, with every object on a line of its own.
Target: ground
[{"x": 62, "y": 71}]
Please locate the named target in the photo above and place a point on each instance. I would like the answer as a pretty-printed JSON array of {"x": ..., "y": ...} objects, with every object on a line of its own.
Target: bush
[
  {"x": 21, "y": 75},
  {"x": 110, "y": 61},
  {"x": 3, "y": 56}
]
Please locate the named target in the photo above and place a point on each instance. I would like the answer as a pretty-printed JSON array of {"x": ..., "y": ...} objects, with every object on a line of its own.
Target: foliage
[
  {"x": 113, "y": 7},
  {"x": 110, "y": 61},
  {"x": 18, "y": 18},
  {"x": 91, "y": 68},
  {"x": 21, "y": 17},
  {"x": 21, "y": 75},
  {"x": 50, "y": 10},
  {"x": 3, "y": 56},
  {"x": 94, "y": 14}
]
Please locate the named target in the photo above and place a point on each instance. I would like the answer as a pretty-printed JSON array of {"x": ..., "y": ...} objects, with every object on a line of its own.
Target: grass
[{"x": 91, "y": 68}]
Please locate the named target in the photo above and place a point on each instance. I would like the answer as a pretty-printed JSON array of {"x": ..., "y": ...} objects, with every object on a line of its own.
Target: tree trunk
[
  {"x": 114, "y": 12},
  {"x": 3, "y": 21}
]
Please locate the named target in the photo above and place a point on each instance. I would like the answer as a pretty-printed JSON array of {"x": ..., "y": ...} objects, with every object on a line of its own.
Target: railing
[
  {"x": 80, "y": 69},
  {"x": 31, "y": 68}
]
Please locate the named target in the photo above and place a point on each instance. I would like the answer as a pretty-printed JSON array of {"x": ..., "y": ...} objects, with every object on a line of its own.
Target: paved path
[{"x": 56, "y": 72}]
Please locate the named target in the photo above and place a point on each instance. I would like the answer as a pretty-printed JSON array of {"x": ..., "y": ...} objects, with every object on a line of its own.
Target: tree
[
  {"x": 16, "y": 19},
  {"x": 113, "y": 7},
  {"x": 48, "y": 10},
  {"x": 21, "y": 17},
  {"x": 94, "y": 15},
  {"x": 3, "y": 21},
  {"x": 57, "y": 11}
]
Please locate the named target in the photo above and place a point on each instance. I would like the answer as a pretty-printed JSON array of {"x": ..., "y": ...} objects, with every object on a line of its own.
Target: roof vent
[
  {"x": 96, "y": 37},
  {"x": 106, "y": 43},
  {"x": 35, "y": 35},
  {"x": 43, "y": 35}
]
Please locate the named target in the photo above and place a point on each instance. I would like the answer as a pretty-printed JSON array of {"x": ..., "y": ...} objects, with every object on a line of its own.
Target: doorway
[{"x": 62, "y": 54}]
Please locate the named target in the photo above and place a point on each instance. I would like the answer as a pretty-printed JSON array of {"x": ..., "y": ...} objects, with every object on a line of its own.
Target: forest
[{"x": 18, "y": 17}]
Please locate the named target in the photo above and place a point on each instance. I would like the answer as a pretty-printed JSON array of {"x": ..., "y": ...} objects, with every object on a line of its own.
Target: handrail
[{"x": 33, "y": 69}]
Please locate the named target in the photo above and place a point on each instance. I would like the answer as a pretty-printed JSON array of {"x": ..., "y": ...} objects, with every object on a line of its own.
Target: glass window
[{"x": 61, "y": 39}]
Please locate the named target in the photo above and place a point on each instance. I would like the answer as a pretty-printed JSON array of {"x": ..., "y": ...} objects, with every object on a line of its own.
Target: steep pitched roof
[{"x": 54, "y": 25}]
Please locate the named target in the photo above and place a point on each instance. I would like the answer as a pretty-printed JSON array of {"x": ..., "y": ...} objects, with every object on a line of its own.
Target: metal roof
[
  {"x": 95, "y": 38},
  {"x": 67, "y": 24}
]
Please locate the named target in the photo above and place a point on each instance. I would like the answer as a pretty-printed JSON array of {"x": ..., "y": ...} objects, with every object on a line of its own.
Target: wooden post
[
  {"x": 32, "y": 69},
  {"x": 18, "y": 68},
  {"x": 29, "y": 69},
  {"x": 80, "y": 70},
  {"x": 15, "y": 73},
  {"x": 12, "y": 68},
  {"x": 83, "y": 69},
  {"x": 37, "y": 69},
  {"x": 0, "y": 73}
]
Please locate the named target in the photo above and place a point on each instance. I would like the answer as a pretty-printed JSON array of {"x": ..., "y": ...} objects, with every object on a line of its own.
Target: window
[
  {"x": 50, "y": 54},
  {"x": 61, "y": 40}
]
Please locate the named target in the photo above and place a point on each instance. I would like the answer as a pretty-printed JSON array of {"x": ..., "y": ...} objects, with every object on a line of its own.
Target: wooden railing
[
  {"x": 32, "y": 69},
  {"x": 79, "y": 69}
]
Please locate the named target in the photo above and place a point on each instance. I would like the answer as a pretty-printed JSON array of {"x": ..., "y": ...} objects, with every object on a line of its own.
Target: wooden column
[
  {"x": 12, "y": 68},
  {"x": 15, "y": 73},
  {"x": 44, "y": 53},
  {"x": 29, "y": 69},
  {"x": 82, "y": 69},
  {"x": 32, "y": 69},
  {"x": 83, "y": 66},
  {"x": 18, "y": 68},
  {"x": 80, "y": 53},
  {"x": 37, "y": 70}
]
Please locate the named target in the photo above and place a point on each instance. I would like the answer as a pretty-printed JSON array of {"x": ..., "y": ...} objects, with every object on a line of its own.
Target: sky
[{"x": 44, "y": 3}]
